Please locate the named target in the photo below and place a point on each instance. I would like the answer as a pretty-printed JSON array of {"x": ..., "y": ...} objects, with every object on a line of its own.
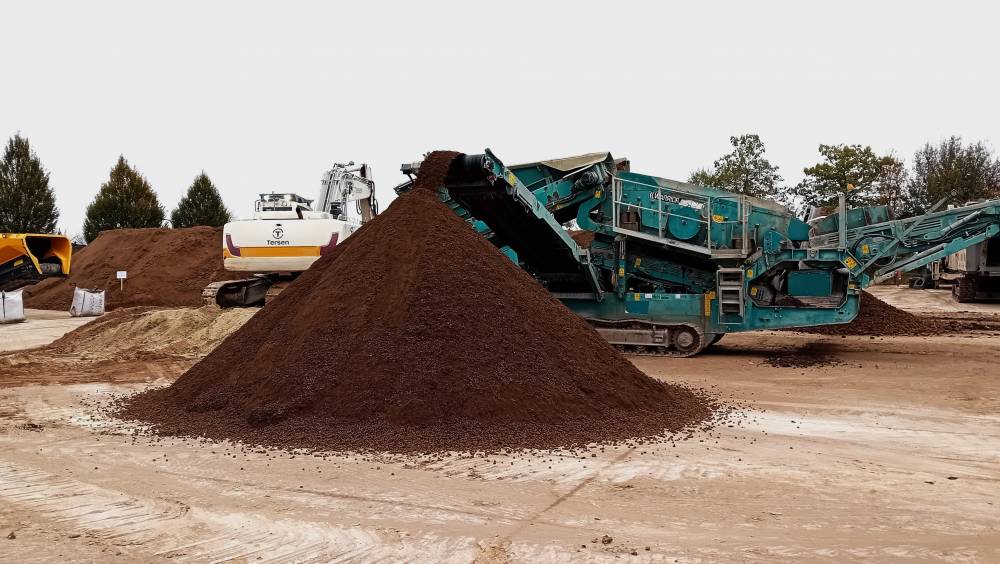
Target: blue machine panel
[{"x": 810, "y": 283}]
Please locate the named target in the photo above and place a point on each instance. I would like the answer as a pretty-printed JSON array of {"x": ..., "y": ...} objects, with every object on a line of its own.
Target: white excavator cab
[
  {"x": 288, "y": 232},
  {"x": 281, "y": 206}
]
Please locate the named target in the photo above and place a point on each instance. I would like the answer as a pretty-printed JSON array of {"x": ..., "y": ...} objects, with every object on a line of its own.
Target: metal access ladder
[{"x": 729, "y": 283}]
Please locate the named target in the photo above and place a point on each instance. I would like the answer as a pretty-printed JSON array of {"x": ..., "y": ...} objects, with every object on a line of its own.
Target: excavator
[
  {"x": 27, "y": 258},
  {"x": 288, "y": 233},
  {"x": 672, "y": 267}
]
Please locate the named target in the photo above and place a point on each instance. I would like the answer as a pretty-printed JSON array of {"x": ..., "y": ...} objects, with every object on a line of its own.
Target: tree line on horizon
[
  {"x": 125, "y": 200},
  {"x": 951, "y": 170}
]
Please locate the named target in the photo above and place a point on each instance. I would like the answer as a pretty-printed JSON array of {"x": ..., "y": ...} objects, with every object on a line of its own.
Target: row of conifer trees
[{"x": 126, "y": 199}]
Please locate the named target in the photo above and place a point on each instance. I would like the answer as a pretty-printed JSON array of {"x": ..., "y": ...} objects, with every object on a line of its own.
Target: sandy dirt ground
[
  {"x": 938, "y": 300},
  {"x": 892, "y": 453},
  {"x": 40, "y": 327}
]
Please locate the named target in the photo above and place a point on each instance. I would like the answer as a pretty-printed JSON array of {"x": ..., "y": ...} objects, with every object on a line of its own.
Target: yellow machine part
[{"x": 55, "y": 252}]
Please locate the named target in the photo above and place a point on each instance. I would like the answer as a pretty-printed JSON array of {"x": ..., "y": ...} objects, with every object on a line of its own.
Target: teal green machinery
[{"x": 672, "y": 267}]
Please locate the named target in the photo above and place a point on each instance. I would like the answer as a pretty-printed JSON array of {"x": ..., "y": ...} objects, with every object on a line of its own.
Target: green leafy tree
[
  {"x": 202, "y": 205},
  {"x": 864, "y": 177},
  {"x": 744, "y": 170},
  {"x": 953, "y": 171},
  {"x": 703, "y": 177},
  {"x": 894, "y": 190},
  {"x": 125, "y": 200},
  {"x": 27, "y": 204}
]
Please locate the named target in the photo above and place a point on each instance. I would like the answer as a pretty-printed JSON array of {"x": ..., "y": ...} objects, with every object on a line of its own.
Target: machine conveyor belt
[{"x": 526, "y": 227}]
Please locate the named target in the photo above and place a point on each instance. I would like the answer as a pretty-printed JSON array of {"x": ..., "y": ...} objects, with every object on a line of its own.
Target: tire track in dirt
[
  {"x": 564, "y": 497},
  {"x": 171, "y": 529}
]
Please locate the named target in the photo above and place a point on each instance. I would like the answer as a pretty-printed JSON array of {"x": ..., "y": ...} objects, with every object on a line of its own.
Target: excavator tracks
[{"x": 246, "y": 292}]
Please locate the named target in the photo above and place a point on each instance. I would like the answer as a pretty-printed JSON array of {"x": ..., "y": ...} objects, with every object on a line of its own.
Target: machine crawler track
[
  {"x": 639, "y": 350},
  {"x": 964, "y": 290},
  {"x": 245, "y": 292},
  {"x": 647, "y": 339}
]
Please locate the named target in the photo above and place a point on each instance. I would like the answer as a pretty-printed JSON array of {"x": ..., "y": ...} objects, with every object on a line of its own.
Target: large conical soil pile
[
  {"x": 165, "y": 267},
  {"x": 417, "y": 335}
]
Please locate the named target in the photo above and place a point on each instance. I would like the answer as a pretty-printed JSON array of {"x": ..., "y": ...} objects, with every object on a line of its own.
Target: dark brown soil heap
[
  {"x": 417, "y": 335},
  {"x": 880, "y": 319},
  {"x": 166, "y": 267}
]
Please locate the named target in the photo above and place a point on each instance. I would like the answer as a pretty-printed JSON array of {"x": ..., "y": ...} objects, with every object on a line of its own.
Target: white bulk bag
[
  {"x": 11, "y": 307},
  {"x": 87, "y": 303}
]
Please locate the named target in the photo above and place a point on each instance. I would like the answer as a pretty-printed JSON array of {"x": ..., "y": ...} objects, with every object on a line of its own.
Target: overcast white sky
[{"x": 265, "y": 96}]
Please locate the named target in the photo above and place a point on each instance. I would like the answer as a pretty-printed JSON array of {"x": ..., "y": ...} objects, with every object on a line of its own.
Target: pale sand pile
[
  {"x": 142, "y": 331},
  {"x": 118, "y": 345}
]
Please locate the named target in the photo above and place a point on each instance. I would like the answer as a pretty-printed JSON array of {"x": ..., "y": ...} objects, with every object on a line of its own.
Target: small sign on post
[{"x": 122, "y": 275}]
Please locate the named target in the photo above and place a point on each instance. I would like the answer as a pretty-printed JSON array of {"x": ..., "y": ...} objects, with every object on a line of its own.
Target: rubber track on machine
[{"x": 653, "y": 350}]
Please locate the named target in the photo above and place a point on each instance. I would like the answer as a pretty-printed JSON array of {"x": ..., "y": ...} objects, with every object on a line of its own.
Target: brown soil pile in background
[
  {"x": 417, "y": 335},
  {"x": 880, "y": 319},
  {"x": 166, "y": 268}
]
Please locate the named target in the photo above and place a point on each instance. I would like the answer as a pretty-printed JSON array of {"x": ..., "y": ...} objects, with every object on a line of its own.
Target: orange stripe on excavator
[{"x": 276, "y": 252}]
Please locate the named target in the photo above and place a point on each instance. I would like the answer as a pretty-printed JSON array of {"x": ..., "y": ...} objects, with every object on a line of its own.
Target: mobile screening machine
[
  {"x": 288, "y": 233},
  {"x": 674, "y": 266}
]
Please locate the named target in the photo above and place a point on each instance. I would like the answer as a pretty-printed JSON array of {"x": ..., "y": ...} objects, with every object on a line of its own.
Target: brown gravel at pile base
[
  {"x": 417, "y": 335},
  {"x": 166, "y": 268},
  {"x": 878, "y": 318}
]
